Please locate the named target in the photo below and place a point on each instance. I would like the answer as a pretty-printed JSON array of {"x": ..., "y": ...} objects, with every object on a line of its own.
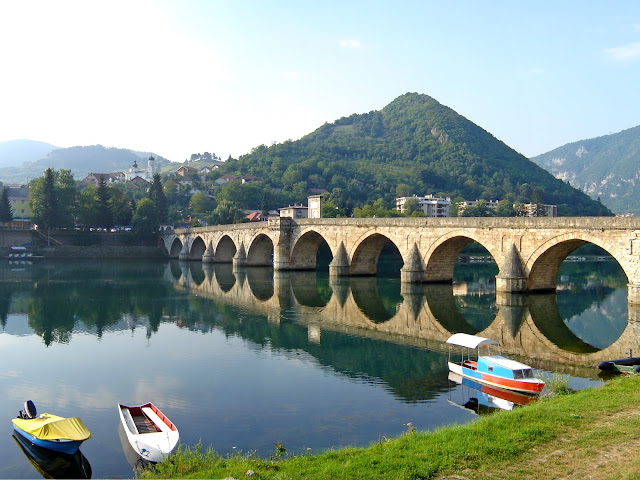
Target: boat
[
  {"x": 149, "y": 432},
  {"x": 622, "y": 365},
  {"x": 478, "y": 363},
  {"x": 52, "y": 464},
  {"x": 50, "y": 431}
]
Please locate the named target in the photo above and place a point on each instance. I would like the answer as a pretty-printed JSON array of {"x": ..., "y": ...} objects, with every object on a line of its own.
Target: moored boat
[
  {"x": 477, "y": 363},
  {"x": 149, "y": 432},
  {"x": 51, "y": 431},
  {"x": 621, "y": 365}
]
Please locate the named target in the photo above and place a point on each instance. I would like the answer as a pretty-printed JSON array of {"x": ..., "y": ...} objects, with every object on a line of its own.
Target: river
[{"x": 240, "y": 360}]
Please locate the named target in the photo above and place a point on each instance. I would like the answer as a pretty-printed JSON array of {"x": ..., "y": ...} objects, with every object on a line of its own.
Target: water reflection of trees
[{"x": 97, "y": 295}]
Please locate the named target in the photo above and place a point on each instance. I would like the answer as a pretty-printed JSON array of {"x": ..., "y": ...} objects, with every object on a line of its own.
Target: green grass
[{"x": 591, "y": 419}]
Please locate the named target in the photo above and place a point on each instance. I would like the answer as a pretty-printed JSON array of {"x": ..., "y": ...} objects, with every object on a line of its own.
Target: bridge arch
[
  {"x": 225, "y": 250},
  {"x": 440, "y": 259},
  {"x": 366, "y": 253},
  {"x": 305, "y": 250},
  {"x": 260, "y": 251},
  {"x": 544, "y": 262},
  {"x": 176, "y": 248},
  {"x": 197, "y": 248}
]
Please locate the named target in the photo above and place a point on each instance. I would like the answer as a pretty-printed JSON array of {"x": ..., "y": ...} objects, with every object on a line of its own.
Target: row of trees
[{"x": 58, "y": 202}]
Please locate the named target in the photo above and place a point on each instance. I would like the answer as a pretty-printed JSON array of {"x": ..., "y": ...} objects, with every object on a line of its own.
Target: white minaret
[{"x": 150, "y": 167}]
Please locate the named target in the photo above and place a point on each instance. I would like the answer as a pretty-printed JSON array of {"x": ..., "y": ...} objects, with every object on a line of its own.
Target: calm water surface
[{"x": 241, "y": 360}]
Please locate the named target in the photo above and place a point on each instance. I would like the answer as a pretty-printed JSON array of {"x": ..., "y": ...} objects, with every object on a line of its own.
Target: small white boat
[{"x": 149, "y": 432}]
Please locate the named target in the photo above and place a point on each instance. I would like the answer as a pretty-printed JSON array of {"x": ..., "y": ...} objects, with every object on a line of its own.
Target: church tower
[{"x": 151, "y": 167}]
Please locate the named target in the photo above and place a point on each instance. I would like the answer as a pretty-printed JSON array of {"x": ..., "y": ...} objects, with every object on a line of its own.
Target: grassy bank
[{"x": 589, "y": 434}]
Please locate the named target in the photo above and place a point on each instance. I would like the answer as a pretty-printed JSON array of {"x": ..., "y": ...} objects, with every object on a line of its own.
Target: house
[
  {"x": 110, "y": 178},
  {"x": 19, "y": 201},
  {"x": 256, "y": 216},
  {"x": 224, "y": 179},
  {"x": 185, "y": 171},
  {"x": 295, "y": 211},
  {"x": 430, "y": 205},
  {"x": 318, "y": 191}
]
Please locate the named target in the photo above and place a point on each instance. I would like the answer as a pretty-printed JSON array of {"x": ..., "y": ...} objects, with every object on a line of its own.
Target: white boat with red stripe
[{"x": 149, "y": 432}]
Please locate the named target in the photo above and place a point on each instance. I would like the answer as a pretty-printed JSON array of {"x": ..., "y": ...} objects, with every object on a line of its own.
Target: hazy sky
[{"x": 187, "y": 76}]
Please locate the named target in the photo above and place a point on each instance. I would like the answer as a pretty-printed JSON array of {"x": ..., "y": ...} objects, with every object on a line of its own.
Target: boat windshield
[{"x": 524, "y": 373}]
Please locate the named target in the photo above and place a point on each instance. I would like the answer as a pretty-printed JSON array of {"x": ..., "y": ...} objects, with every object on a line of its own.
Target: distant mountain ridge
[
  {"x": 416, "y": 142},
  {"x": 607, "y": 167},
  {"x": 80, "y": 160},
  {"x": 17, "y": 152}
]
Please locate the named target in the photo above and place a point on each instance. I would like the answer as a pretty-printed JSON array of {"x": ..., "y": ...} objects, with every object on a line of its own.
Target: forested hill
[
  {"x": 415, "y": 143},
  {"x": 607, "y": 167},
  {"x": 81, "y": 161}
]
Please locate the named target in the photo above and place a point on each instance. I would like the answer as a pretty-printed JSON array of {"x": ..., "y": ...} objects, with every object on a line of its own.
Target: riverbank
[
  {"x": 591, "y": 434},
  {"x": 84, "y": 252}
]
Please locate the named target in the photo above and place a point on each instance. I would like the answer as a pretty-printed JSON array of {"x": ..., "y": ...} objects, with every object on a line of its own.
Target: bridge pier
[
  {"x": 184, "y": 253},
  {"x": 240, "y": 258},
  {"x": 209, "y": 255},
  {"x": 339, "y": 266},
  {"x": 511, "y": 278}
]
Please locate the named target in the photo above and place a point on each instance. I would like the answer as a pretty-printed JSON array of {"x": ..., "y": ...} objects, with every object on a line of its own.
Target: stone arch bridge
[{"x": 528, "y": 251}]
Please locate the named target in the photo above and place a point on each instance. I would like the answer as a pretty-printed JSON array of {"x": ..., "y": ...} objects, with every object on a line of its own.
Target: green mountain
[
  {"x": 16, "y": 152},
  {"x": 81, "y": 161},
  {"x": 414, "y": 141},
  {"x": 607, "y": 167}
]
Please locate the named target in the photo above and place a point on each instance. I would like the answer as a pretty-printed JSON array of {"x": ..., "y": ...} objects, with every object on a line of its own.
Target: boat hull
[
  {"x": 497, "y": 381},
  {"x": 152, "y": 447},
  {"x": 62, "y": 446}
]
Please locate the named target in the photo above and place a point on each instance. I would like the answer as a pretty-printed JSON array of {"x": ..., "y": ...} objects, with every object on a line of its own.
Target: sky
[{"x": 177, "y": 77}]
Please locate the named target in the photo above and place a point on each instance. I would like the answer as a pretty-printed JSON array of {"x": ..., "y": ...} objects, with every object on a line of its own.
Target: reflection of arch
[
  {"x": 197, "y": 273},
  {"x": 176, "y": 271},
  {"x": 260, "y": 282},
  {"x": 441, "y": 258},
  {"x": 224, "y": 276},
  {"x": 260, "y": 251},
  {"x": 197, "y": 249},
  {"x": 303, "y": 254},
  {"x": 176, "y": 248},
  {"x": 443, "y": 307},
  {"x": 225, "y": 250},
  {"x": 546, "y": 317},
  {"x": 548, "y": 258},
  {"x": 367, "y": 298},
  {"x": 365, "y": 257},
  {"x": 305, "y": 289}
]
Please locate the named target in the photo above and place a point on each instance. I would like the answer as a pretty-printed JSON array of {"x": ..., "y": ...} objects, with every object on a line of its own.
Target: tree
[
  {"x": 226, "y": 213},
  {"x": 403, "y": 190},
  {"x": 105, "y": 216},
  {"x": 199, "y": 204},
  {"x": 44, "y": 202},
  {"x": 145, "y": 219},
  {"x": 505, "y": 208},
  {"x": 157, "y": 196},
  {"x": 6, "y": 214},
  {"x": 411, "y": 205}
]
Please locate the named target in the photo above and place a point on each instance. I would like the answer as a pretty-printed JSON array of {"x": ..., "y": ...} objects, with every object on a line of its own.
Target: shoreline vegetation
[{"x": 590, "y": 434}]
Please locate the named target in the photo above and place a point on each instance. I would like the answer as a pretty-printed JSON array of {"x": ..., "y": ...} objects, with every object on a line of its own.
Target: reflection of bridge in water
[{"x": 525, "y": 325}]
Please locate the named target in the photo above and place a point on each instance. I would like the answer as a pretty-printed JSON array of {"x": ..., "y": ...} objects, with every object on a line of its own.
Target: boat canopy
[
  {"x": 52, "y": 427},
  {"x": 470, "y": 341}
]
